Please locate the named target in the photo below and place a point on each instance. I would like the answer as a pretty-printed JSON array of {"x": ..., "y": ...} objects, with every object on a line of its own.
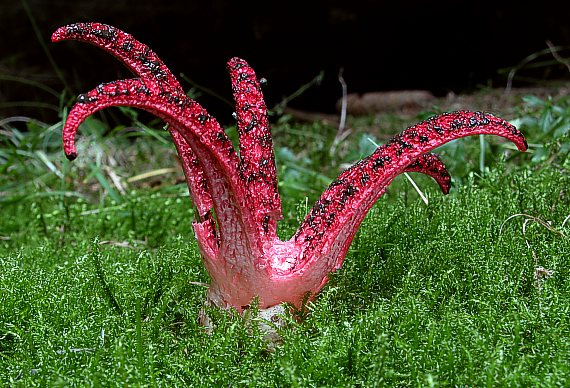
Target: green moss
[{"x": 428, "y": 295}]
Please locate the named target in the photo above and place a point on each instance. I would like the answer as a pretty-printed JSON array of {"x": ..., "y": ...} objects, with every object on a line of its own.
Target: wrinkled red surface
[{"x": 239, "y": 245}]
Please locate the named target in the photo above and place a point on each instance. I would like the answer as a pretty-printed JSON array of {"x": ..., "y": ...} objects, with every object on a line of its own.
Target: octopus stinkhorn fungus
[{"x": 236, "y": 196}]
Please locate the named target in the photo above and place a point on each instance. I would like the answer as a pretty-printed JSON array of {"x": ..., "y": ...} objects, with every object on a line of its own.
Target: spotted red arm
[
  {"x": 157, "y": 79},
  {"x": 138, "y": 57},
  {"x": 257, "y": 162},
  {"x": 332, "y": 222},
  {"x": 431, "y": 165},
  {"x": 208, "y": 143}
]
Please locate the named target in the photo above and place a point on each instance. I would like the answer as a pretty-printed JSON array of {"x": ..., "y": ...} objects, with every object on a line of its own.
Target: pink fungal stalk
[{"x": 239, "y": 245}]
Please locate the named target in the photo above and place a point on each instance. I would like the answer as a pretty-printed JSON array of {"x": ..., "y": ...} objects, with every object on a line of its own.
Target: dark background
[{"x": 382, "y": 45}]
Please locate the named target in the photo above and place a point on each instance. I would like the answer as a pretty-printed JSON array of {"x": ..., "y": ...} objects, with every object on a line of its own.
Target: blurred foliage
[{"x": 547, "y": 123}]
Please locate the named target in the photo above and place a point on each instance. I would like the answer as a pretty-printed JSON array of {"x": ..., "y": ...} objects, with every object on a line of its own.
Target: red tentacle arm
[
  {"x": 116, "y": 91},
  {"x": 326, "y": 233},
  {"x": 236, "y": 251},
  {"x": 238, "y": 244},
  {"x": 138, "y": 57},
  {"x": 257, "y": 162},
  {"x": 431, "y": 165},
  {"x": 156, "y": 77},
  {"x": 194, "y": 173}
]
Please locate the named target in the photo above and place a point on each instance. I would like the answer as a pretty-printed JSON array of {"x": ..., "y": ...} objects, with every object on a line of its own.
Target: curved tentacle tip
[
  {"x": 519, "y": 139},
  {"x": 69, "y": 148},
  {"x": 236, "y": 62},
  {"x": 524, "y": 146},
  {"x": 444, "y": 182},
  {"x": 59, "y": 34},
  {"x": 515, "y": 135}
]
